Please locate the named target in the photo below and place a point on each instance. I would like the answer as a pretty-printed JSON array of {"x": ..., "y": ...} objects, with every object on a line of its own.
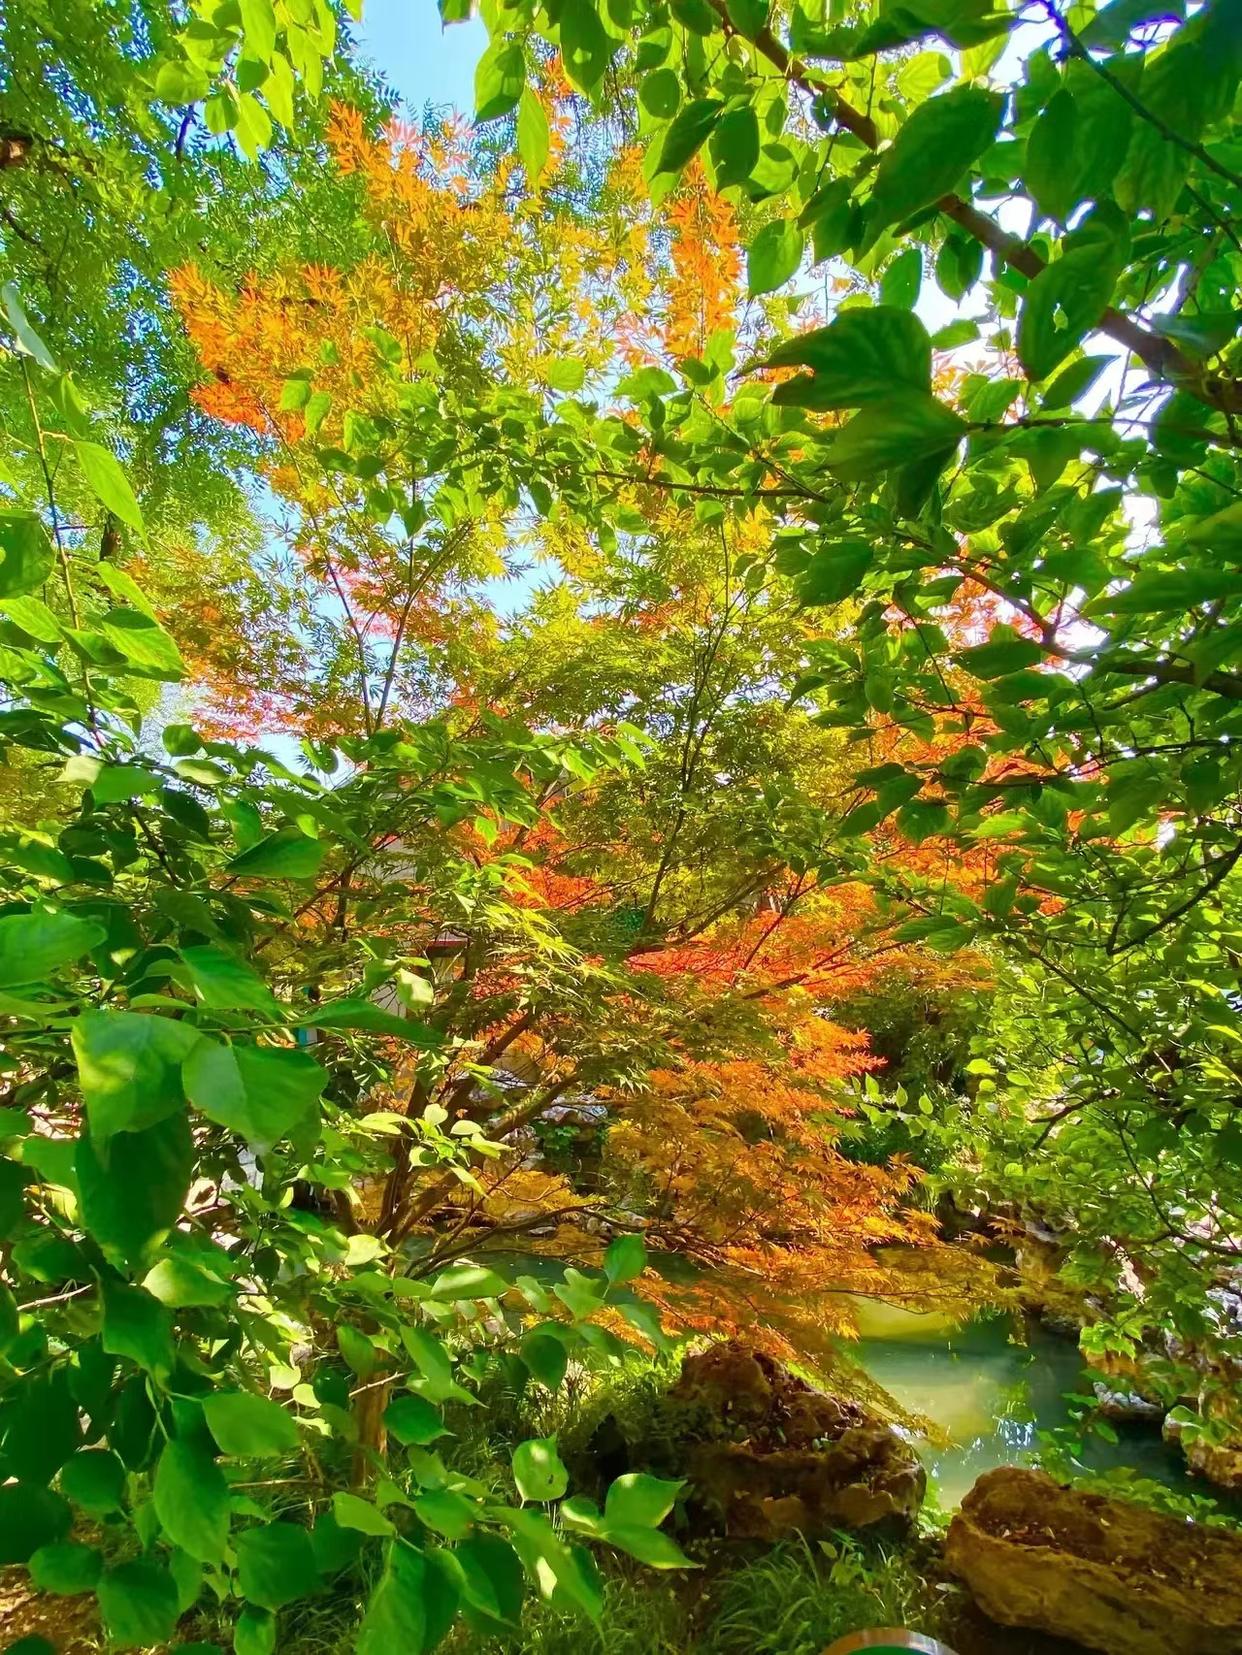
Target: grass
[
  {"x": 642, "y": 1616},
  {"x": 792, "y": 1600},
  {"x": 798, "y": 1597}
]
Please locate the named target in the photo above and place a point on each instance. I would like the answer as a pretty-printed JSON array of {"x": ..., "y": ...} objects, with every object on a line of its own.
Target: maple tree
[
  {"x": 850, "y": 675},
  {"x": 1082, "y": 475}
]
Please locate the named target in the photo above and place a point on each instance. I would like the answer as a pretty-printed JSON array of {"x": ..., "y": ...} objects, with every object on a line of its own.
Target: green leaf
[
  {"x": 538, "y": 1471},
  {"x": 748, "y": 17},
  {"x": 33, "y": 617},
  {"x": 335, "y": 1548},
  {"x": 179, "y": 82},
  {"x": 370, "y": 1019},
  {"x": 254, "y": 1632},
  {"x": 565, "y": 375},
  {"x": 249, "y": 1426},
  {"x": 861, "y": 357},
  {"x": 279, "y": 88},
  {"x": 396, "y": 1618},
  {"x": 95, "y": 1480},
  {"x": 26, "y": 554},
  {"x": 954, "y": 334},
  {"x": 412, "y": 1419},
  {"x": 180, "y": 740},
  {"x": 734, "y": 146},
  {"x": 1170, "y": 591},
  {"x": 129, "y": 1069},
  {"x": 773, "y": 256},
  {"x": 13, "y": 1181},
  {"x": 30, "y": 1517},
  {"x": 1073, "y": 382},
  {"x": 259, "y": 26},
  {"x": 637, "y": 1500},
  {"x": 896, "y": 432},
  {"x": 546, "y": 1556},
  {"x": 286, "y": 854},
  {"x": 533, "y": 137},
  {"x": 118, "y": 782},
  {"x": 447, "y": 1512},
  {"x": 499, "y": 79},
  {"x": 695, "y": 15},
  {"x": 135, "y": 1324},
  {"x": 147, "y": 648},
  {"x": 275, "y": 1564},
  {"x": 178, "y": 1281},
  {"x": 316, "y": 411},
  {"x": 899, "y": 286},
  {"x": 688, "y": 133},
  {"x": 1069, "y": 296},
  {"x": 41, "y": 1427},
  {"x": 293, "y": 397},
  {"x": 834, "y": 572},
  {"x": 465, "y": 1280},
  {"x": 494, "y": 1584},
  {"x": 263, "y": 1093},
  {"x": 625, "y": 1258},
  {"x": 581, "y": 1295},
  {"x": 585, "y": 47},
  {"x": 65, "y": 1568},
  {"x": 192, "y": 1501},
  {"x": 359, "y": 1351},
  {"x": 139, "y": 1603},
  {"x": 1051, "y": 176},
  {"x": 130, "y": 1200},
  {"x": 351, "y": 1512},
  {"x": 223, "y": 983},
  {"x": 931, "y": 151},
  {"x": 432, "y": 1361},
  {"x": 108, "y": 482},
  {"x": 253, "y": 127},
  {"x": 1004, "y": 652},
  {"x": 34, "y": 945},
  {"x": 546, "y": 1357},
  {"x": 27, "y": 340},
  {"x": 659, "y": 92},
  {"x": 649, "y": 1546}
]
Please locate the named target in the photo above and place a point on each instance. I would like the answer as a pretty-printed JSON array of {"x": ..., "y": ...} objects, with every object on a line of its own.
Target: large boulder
[
  {"x": 1109, "y": 1575},
  {"x": 768, "y": 1456}
]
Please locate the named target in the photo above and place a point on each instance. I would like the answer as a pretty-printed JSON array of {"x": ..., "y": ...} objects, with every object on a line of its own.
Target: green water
[{"x": 990, "y": 1395}]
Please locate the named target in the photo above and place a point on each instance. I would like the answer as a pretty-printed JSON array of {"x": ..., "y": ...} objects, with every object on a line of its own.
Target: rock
[
  {"x": 1039, "y": 1254},
  {"x": 1127, "y": 1407},
  {"x": 1109, "y": 1575},
  {"x": 768, "y": 1456},
  {"x": 1218, "y": 1462}
]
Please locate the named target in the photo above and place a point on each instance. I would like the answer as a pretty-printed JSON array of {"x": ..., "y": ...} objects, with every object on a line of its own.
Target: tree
[
  {"x": 852, "y": 676},
  {"x": 1091, "y": 721},
  {"x": 162, "y": 983}
]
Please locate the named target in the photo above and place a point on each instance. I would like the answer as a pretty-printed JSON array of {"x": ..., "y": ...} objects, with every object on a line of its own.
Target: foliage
[
  {"x": 796, "y": 1598},
  {"x": 1020, "y": 533},
  {"x": 497, "y": 655},
  {"x": 168, "y": 1283}
]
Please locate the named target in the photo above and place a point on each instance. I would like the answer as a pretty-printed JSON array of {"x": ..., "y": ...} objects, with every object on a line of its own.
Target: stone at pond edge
[
  {"x": 1110, "y": 1575},
  {"x": 1219, "y": 1463},
  {"x": 767, "y": 1456}
]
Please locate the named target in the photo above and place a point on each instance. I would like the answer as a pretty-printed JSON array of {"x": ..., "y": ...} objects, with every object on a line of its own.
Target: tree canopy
[{"x": 601, "y": 704}]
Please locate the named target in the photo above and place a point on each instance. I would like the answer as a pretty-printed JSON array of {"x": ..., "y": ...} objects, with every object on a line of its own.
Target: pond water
[{"x": 990, "y": 1394}]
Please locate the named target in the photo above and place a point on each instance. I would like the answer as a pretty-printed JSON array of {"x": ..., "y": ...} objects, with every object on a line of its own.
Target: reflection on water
[{"x": 990, "y": 1395}]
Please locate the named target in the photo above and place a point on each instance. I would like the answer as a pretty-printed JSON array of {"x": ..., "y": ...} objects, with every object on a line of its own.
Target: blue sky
[{"x": 422, "y": 60}]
